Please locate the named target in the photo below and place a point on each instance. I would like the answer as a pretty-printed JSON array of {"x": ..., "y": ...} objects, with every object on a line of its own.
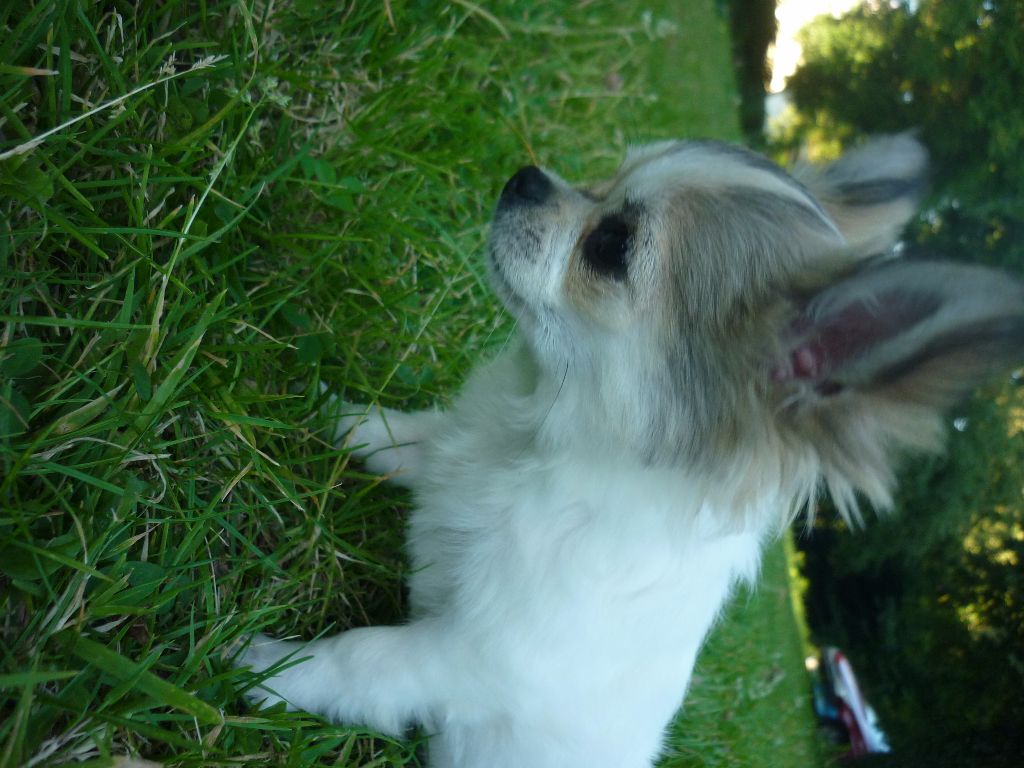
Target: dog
[{"x": 706, "y": 342}]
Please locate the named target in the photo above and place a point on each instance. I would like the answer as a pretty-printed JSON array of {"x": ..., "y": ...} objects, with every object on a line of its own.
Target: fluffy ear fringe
[
  {"x": 870, "y": 364},
  {"x": 872, "y": 191}
]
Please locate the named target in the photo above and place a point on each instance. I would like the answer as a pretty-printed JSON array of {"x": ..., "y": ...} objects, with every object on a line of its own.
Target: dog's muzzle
[{"x": 529, "y": 186}]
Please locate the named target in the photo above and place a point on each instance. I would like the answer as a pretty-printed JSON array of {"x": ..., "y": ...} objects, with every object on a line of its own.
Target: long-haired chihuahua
[{"x": 706, "y": 343}]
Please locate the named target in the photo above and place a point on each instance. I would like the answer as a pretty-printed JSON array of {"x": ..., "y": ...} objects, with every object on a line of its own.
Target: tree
[{"x": 953, "y": 69}]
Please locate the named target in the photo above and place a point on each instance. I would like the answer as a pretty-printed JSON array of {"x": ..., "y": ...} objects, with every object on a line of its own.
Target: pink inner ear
[
  {"x": 827, "y": 344},
  {"x": 806, "y": 361}
]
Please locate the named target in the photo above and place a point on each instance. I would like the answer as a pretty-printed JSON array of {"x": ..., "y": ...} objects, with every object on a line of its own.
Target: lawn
[{"x": 208, "y": 208}]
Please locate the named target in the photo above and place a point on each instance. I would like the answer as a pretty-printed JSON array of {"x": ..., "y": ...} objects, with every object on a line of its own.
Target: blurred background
[{"x": 927, "y": 602}]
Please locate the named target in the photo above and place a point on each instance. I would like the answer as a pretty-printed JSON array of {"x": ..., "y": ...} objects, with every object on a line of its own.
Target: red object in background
[{"x": 838, "y": 699}]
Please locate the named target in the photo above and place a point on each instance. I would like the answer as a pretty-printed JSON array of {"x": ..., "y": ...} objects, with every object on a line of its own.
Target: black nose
[{"x": 529, "y": 185}]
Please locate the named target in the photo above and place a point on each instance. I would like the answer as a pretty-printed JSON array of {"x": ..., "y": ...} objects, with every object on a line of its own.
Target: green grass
[{"x": 229, "y": 203}]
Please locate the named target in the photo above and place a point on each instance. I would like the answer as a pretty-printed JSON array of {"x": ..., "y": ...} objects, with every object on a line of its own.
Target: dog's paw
[
  {"x": 260, "y": 654},
  {"x": 340, "y": 416},
  {"x": 388, "y": 441},
  {"x": 344, "y": 418}
]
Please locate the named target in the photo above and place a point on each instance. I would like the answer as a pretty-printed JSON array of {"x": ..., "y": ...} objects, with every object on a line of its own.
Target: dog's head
[{"x": 705, "y": 307}]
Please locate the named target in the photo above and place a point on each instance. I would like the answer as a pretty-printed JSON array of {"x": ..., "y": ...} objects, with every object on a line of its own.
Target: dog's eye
[{"x": 607, "y": 247}]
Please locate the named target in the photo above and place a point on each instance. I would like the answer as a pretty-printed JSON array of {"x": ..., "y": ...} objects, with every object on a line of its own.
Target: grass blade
[{"x": 161, "y": 691}]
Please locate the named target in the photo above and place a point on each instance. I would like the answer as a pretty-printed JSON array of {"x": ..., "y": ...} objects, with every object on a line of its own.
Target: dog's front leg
[
  {"x": 390, "y": 442},
  {"x": 386, "y": 678}
]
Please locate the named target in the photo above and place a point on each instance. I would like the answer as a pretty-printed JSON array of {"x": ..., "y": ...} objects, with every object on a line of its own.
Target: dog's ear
[
  {"x": 870, "y": 363},
  {"x": 924, "y": 331},
  {"x": 872, "y": 191}
]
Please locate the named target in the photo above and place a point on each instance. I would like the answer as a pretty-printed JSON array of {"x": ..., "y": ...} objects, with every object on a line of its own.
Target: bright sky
[{"x": 793, "y": 15}]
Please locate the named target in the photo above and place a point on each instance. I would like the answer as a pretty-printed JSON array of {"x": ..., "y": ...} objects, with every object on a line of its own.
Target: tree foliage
[{"x": 952, "y": 69}]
